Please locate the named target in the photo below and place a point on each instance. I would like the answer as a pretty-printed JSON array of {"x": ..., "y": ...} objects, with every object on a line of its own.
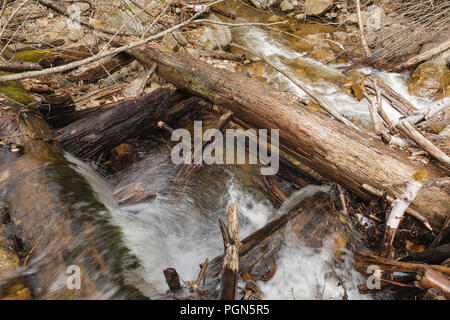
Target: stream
[{"x": 182, "y": 235}]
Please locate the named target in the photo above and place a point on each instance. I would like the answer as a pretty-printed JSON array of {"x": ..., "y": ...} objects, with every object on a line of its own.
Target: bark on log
[
  {"x": 230, "y": 272},
  {"x": 104, "y": 130},
  {"x": 431, "y": 256},
  {"x": 68, "y": 55},
  {"x": 56, "y": 216},
  {"x": 335, "y": 151},
  {"x": 104, "y": 69}
]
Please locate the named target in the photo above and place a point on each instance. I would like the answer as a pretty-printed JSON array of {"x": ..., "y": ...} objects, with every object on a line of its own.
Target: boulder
[
  {"x": 317, "y": 7},
  {"x": 427, "y": 80},
  {"x": 286, "y": 5},
  {"x": 323, "y": 54},
  {"x": 376, "y": 17},
  {"x": 211, "y": 37}
]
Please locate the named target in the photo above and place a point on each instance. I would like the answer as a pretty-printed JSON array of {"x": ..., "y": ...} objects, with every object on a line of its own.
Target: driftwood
[
  {"x": 335, "y": 151},
  {"x": 271, "y": 190},
  {"x": 54, "y": 217},
  {"x": 106, "y": 129},
  {"x": 428, "y": 279},
  {"x": 230, "y": 233}
]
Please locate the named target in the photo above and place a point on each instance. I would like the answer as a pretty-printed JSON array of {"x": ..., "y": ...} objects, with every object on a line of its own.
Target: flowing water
[{"x": 182, "y": 235}]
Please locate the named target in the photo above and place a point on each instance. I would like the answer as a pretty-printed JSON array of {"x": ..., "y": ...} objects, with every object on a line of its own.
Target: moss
[
  {"x": 420, "y": 176},
  {"x": 15, "y": 91},
  {"x": 33, "y": 55}
]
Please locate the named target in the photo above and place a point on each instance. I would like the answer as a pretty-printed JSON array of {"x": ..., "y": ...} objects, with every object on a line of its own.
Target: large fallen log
[
  {"x": 50, "y": 212},
  {"x": 335, "y": 151},
  {"x": 107, "y": 128}
]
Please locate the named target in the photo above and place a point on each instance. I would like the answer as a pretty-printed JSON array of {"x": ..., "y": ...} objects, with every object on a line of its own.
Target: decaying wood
[
  {"x": 218, "y": 54},
  {"x": 335, "y": 151},
  {"x": 104, "y": 69},
  {"x": 202, "y": 273},
  {"x": 106, "y": 129},
  {"x": 231, "y": 243},
  {"x": 433, "y": 279},
  {"x": 17, "y": 66},
  {"x": 55, "y": 214},
  {"x": 270, "y": 188},
  {"x": 172, "y": 280}
]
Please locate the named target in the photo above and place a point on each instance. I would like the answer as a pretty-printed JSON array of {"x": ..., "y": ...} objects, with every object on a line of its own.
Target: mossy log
[
  {"x": 52, "y": 218},
  {"x": 335, "y": 151}
]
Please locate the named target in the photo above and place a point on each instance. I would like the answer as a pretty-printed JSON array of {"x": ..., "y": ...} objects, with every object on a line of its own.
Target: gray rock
[
  {"x": 317, "y": 7},
  {"x": 211, "y": 37},
  {"x": 286, "y": 5},
  {"x": 132, "y": 89},
  {"x": 376, "y": 17},
  {"x": 76, "y": 35},
  {"x": 265, "y": 4}
]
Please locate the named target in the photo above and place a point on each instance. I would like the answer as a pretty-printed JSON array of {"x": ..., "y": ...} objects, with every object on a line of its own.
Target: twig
[
  {"x": 101, "y": 55},
  {"x": 145, "y": 81},
  {"x": 423, "y": 56},
  {"x": 301, "y": 85},
  {"x": 361, "y": 30}
]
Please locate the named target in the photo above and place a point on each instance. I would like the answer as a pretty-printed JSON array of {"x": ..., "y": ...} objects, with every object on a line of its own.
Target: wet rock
[
  {"x": 122, "y": 157},
  {"x": 300, "y": 16},
  {"x": 323, "y": 54},
  {"x": 274, "y": 18},
  {"x": 376, "y": 17},
  {"x": 286, "y": 5},
  {"x": 317, "y": 7},
  {"x": 211, "y": 37},
  {"x": 317, "y": 38},
  {"x": 427, "y": 80}
]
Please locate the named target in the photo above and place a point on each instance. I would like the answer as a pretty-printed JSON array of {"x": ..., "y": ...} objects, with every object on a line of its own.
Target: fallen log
[
  {"x": 435, "y": 255},
  {"x": 105, "y": 129},
  {"x": 62, "y": 229},
  {"x": 104, "y": 69},
  {"x": 428, "y": 279},
  {"x": 335, "y": 151}
]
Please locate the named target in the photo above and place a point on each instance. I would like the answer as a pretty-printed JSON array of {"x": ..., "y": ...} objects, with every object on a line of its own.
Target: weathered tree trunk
[
  {"x": 335, "y": 151},
  {"x": 54, "y": 217},
  {"x": 105, "y": 129},
  {"x": 104, "y": 69}
]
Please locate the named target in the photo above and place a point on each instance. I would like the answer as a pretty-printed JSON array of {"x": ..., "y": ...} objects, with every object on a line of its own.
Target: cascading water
[{"x": 181, "y": 235}]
